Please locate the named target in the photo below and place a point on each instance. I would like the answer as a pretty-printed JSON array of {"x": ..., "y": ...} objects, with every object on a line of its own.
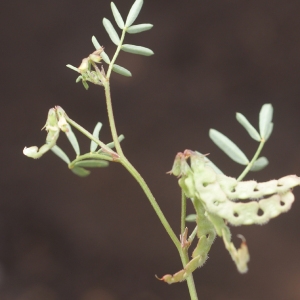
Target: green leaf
[
  {"x": 191, "y": 218},
  {"x": 259, "y": 164},
  {"x": 105, "y": 57},
  {"x": 80, "y": 171},
  {"x": 95, "y": 43},
  {"x": 134, "y": 12},
  {"x": 230, "y": 148},
  {"x": 60, "y": 153},
  {"x": 246, "y": 124},
  {"x": 92, "y": 163},
  {"x": 117, "y": 15},
  {"x": 139, "y": 28},
  {"x": 73, "y": 140},
  {"x": 265, "y": 120},
  {"x": 111, "y": 31},
  {"x": 122, "y": 71},
  {"x": 72, "y": 68},
  {"x": 96, "y": 131},
  {"x": 137, "y": 50}
]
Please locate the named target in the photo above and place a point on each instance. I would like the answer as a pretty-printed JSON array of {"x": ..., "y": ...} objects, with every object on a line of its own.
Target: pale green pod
[
  {"x": 209, "y": 163},
  {"x": 187, "y": 185},
  {"x": 224, "y": 196},
  {"x": 206, "y": 234},
  {"x": 241, "y": 256}
]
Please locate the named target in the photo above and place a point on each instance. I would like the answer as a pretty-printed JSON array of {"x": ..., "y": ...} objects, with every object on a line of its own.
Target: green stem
[
  {"x": 183, "y": 211},
  {"x": 145, "y": 188},
  {"x": 190, "y": 280},
  {"x": 111, "y": 118},
  {"x": 116, "y": 54},
  {"x": 90, "y": 136},
  {"x": 182, "y": 252},
  {"x": 247, "y": 169},
  {"x": 123, "y": 160}
]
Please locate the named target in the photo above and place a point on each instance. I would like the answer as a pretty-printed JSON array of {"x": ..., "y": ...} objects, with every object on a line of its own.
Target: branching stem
[{"x": 123, "y": 160}]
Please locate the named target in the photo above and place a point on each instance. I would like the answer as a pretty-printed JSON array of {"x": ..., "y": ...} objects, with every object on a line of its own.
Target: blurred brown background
[{"x": 97, "y": 238}]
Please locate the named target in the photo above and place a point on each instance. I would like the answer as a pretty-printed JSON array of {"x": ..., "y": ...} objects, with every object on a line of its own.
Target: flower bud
[
  {"x": 84, "y": 65},
  {"x": 95, "y": 58},
  {"x": 62, "y": 122}
]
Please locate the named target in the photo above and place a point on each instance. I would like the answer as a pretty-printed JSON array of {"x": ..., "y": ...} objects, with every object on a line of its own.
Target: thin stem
[
  {"x": 111, "y": 119},
  {"x": 116, "y": 54},
  {"x": 182, "y": 252},
  {"x": 123, "y": 160},
  {"x": 183, "y": 211},
  {"x": 190, "y": 280},
  {"x": 247, "y": 169},
  {"x": 90, "y": 136},
  {"x": 152, "y": 200}
]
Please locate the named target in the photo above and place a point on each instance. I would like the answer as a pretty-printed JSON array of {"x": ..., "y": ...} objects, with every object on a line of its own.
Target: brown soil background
[{"x": 64, "y": 237}]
